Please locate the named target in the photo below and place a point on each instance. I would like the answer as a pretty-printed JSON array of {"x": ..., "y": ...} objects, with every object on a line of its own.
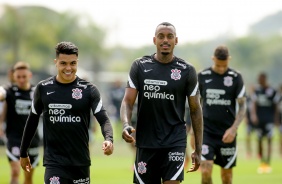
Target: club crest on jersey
[
  {"x": 76, "y": 93},
  {"x": 228, "y": 81},
  {"x": 54, "y": 180},
  {"x": 205, "y": 149},
  {"x": 175, "y": 74},
  {"x": 142, "y": 167}
]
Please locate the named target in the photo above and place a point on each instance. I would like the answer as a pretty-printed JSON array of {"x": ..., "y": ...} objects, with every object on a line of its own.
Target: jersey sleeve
[
  {"x": 192, "y": 83},
  {"x": 37, "y": 104},
  {"x": 240, "y": 91},
  {"x": 101, "y": 114},
  {"x": 133, "y": 76},
  {"x": 96, "y": 100},
  {"x": 31, "y": 123}
]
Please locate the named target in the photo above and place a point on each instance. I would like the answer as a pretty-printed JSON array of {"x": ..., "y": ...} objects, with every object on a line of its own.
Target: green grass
[{"x": 117, "y": 168}]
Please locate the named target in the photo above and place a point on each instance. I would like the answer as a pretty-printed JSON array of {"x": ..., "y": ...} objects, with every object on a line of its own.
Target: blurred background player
[
  {"x": 221, "y": 88},
  {"x": 264, "y": 113},
  {"x": 18, "y": 99},
  {"x": 3, "y": 106}
]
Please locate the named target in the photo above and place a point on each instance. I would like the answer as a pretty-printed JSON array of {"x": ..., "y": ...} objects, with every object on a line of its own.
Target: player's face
[
  {"x": 262, "y": 80},
  {"x": 22, "y": 78},
  {"x": 220, "y": 66},
  {"x": 165, "y": 39},
  {"x": 67, "y": 67}
]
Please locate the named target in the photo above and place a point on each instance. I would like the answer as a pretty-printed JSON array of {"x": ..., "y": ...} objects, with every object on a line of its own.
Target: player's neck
[
  {"x": 25, "y": 87},
  {"x": 164, "y": 58}
]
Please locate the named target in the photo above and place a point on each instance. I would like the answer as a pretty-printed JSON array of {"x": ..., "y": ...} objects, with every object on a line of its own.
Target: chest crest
[
  {"x": 175, "y": 74},
  {"x": 76, "y": 93},
  {"x": 228, "y": 81}
]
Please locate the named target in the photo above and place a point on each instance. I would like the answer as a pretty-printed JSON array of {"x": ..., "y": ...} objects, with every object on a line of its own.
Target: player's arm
[
  {"x": 30, "y": 130},
  {"x": 107, "y": 131},
  {"x": 197, "y": 126},
  {"x": 102, "y": 117},
  {"x": 231, "y": 133},
  {"x": 2, "y": 119},
  {"x": 126, "y": 110},
  {"x": 196, "y": 117}
]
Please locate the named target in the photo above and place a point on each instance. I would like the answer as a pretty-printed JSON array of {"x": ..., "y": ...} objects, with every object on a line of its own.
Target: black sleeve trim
[
  {"x": 105, "y": 124},
  {"x": 28, "y": 134}
]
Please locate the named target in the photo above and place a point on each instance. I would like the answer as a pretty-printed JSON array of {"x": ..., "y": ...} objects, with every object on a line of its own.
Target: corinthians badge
[
  {"x": 228, "y": 81},
  {"x": 76, "y": 93},
  {"x": 175, "y": 74}
]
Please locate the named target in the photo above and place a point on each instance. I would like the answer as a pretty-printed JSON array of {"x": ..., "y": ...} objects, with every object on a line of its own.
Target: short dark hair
[
  {"x": 221, "y": 52},
  {"x": 66, "y": 48},
  {"x": 20, "y": 65},
  {"x": 262, "y": 74},
  {"x": 165, "y": 24}
]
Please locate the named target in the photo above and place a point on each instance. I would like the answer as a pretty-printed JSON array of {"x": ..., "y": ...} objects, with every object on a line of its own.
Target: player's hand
[
  {"x": 108, "y": 147},
  {"x": 126, "y": 134},
  {"x": 196, "y": 162},
  {"x": 25, "y": 164},
  {"x": 2, "y": 93},
  {"x": 229, "y": 135}
]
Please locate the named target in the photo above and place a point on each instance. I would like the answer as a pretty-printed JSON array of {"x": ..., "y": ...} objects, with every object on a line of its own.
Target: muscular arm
[
  {"x": 197, "y": 121},
  {"x": 241, "y": 112},
  {"x": 230, "y": 133},
  {"x": 197, "y": 125},
  {"x": 126, "y": 109}
]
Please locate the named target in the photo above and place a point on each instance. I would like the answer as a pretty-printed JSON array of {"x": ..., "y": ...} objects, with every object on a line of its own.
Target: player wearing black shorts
[
  {"x": 66, "y": 101},
  {"x": 265, "y": 109},
  {"x": 162, "y": 83},
  {"x": 18, "y": 98},
  {"x": 221, "y": 88}
]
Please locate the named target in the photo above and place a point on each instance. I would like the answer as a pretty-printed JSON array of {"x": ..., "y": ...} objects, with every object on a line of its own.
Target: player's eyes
[{"x": 170, "y": 36}]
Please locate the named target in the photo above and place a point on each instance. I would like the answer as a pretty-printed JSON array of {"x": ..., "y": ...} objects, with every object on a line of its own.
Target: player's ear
[
  {"x": 55, "y": 61},
  {"x": 30, "y": 74},
  {"x": 176, "y": 40},
  {"x": 154, "y": 40}
]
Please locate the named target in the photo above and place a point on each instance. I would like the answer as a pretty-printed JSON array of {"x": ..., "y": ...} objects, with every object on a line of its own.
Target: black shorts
[
  {"x": 265, "y": 129},
  {"x": 13, "y": 154},
  {"x": 224, "y": 155},
  {"x": 67, "y": 174},
  {"x": 154, "y": 166}
]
